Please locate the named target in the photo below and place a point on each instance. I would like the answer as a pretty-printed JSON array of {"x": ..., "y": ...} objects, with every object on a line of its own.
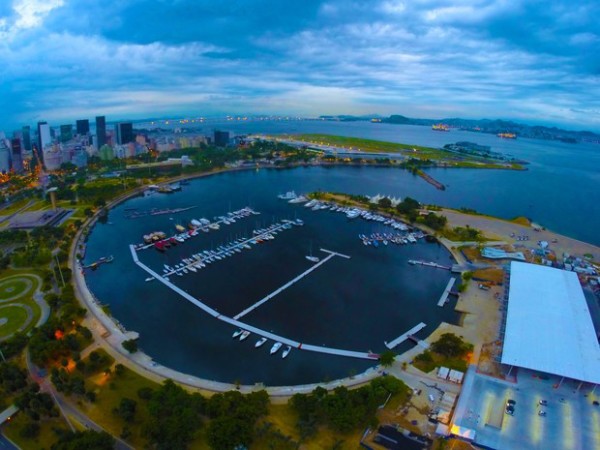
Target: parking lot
[{"x": 572, "y": 421}]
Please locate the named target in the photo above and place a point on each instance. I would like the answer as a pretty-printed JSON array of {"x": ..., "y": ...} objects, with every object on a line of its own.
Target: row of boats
[
  {"x": 200, "y": 260},
  {"x": 242, "y": 335},
  {"x": 353, "y": 213},
  {"x": 375, "y": 239},
  {"x": 161, "y": 242}
]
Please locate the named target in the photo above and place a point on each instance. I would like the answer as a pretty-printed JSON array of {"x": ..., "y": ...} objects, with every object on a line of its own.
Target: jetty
[
  {"x": 431, "y": 180},
  {"x": 289, "y": 283},
  {"x": 447, "y": 292},
  {"x": 259, "y": 332},
  {"x": 416, "y": 262},
  {"x": 400, "y": 339},
  {"x": 99, "y": 262}
]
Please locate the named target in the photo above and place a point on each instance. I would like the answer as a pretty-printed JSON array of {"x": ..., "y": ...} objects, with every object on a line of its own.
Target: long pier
[
  {"x": 276, "y": 338},
  {"x": 400, "y": 339},
  {"x": 446, "y": 292},
  {"x": 288, "y": 284}
]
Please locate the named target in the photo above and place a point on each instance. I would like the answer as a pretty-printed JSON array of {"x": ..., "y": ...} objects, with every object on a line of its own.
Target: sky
[{"x": 531, "y": 61}]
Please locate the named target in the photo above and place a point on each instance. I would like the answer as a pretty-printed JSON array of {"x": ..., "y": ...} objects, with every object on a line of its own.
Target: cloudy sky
[{"x": 534, "y": 61}]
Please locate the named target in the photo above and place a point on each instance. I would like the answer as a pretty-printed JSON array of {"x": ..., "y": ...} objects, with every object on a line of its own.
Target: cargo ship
[
  {"x": 507, "y": 135},
  {"x": 440, "y": 127}
]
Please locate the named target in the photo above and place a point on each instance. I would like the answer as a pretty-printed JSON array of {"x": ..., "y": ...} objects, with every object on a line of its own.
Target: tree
[
  {"x": 385, "y": 202},
  {"x": 451, "y": 346},
  {"x": 387, "y": 358},
  {"x": 126, "y": 409},
  {"x": 130, "y": 345},
  {"x": 84, "y": 440}
]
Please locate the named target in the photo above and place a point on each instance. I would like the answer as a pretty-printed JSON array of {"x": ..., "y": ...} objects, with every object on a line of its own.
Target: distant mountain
[{"x": 485, "y": 126}]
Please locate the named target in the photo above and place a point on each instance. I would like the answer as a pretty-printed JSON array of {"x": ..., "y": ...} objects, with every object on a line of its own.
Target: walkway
[
  {"x": 287, "y": 285},
  {"x": 446, "y": 293},
  {"x": 400, "y": 339},
  {"x": 214, "y": 313}
]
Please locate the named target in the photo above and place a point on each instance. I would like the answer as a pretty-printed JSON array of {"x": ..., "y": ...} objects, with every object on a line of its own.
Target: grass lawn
[
  {"x": 46, "y": 438},
  {"x": 110, "y": 389},
  {"x": 14, "y": 207},
  {"x": 13, "y": 287},
  {"x": 15, "y": 317},
  {"x": 493, "y": 275}
]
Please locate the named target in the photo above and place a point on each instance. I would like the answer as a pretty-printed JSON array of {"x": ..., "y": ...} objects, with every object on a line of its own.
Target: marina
[
  {"x": 246, "y": 327},
  {"x": 403, "y": 337},
  {"x": 444, "y": 298}
]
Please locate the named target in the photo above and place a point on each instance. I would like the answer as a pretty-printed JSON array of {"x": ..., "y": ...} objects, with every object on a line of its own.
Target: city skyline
[{"x": 492, "y": 59}]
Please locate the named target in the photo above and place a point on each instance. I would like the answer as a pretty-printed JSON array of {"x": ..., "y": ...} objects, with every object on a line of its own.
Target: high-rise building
[
  {"x": 124, "y": 133},
  {"x": 26, "y": 138},
  {"x": 100, "y": 131},
  {"x": 17, "y": 155},
  {"x": 66, "y": 133},
  {"x": 44, "y": 138},
  {"x": 4, "y": 154},
  {"x": 221, "y": 138},
  {"x": 83, "y": 127}
]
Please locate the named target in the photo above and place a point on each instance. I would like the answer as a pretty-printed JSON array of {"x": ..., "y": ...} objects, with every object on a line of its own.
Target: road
[
  {"x": 5, "y": 444},
  {"x": 66, "y": 407}
]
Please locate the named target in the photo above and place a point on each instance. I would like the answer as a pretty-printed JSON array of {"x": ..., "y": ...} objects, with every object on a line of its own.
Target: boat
[
  {"x": 237, "y": 333},
  {"x": 286, "y": 352},
  {"x": 149, "y": 279},
  {"x": 440, "y": 127},
  {"x": 310, "y": 256},
  {"x": 276, "y": 347},
  {"x": 353, "y": 213},
  {"x": 180, "y": 228},
  {"x": 507, "y": 135},
  {"x": 260, "y": 342},
  {"x": 244, "y": 335},
  {"x": 290, "y": 195}
]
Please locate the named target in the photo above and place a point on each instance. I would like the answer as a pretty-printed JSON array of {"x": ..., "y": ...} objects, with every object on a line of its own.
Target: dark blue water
[
  {"x": 559, "y": 190},
  {"x": 353, "y": 304}
]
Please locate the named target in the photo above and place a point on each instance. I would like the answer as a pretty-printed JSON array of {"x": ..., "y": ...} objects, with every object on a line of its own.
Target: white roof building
[{"x": 548, "y": 324}]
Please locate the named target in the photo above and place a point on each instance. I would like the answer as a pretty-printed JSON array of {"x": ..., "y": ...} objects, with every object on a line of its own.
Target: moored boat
[
  {"x": 276, "y": 347},
  {"x": 260, "y": 342}
]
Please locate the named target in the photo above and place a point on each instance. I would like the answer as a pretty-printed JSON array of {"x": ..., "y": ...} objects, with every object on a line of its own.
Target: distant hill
[{"x": 485, "y": 126}]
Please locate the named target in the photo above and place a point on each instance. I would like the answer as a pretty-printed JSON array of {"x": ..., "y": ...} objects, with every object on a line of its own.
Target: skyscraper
[
  {"x": 4, "y": 154},
  {"x": 44, "y": 138},
  {"x": 27, "y": 138},
  {"x": 83, "y": 127},
  {"x": 100, "y": 131},
  {"x": 66, "y": 133},
  {"x": 17, "y": 155},
  {"x": 124, "y": 133},
  {"x": 221, "y": 138}
]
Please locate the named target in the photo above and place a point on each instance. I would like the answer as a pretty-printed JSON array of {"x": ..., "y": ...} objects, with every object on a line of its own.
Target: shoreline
[{"x": 107, "y": 333}]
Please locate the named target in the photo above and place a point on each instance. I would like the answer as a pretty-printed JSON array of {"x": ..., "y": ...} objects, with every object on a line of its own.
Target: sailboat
[{"x": 310, "y": 257}]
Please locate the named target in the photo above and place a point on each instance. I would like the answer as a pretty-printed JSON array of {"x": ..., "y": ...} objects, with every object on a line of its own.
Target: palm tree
[{"x": 387, "y": 358}]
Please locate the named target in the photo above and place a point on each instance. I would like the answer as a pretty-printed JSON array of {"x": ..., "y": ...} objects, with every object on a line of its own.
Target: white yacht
[
  {"x": 276, "y": 347},
  {"x": 260, "y": 342},
  {"x": 244, "y": 335},
  {"x": 286, "y": 352}
]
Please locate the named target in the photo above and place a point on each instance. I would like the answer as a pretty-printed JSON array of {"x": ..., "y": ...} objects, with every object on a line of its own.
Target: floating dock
[
  {"x": 400, "y": 339},
  {"x": 288, "y": 284},
  {"x": 446, "y": 293},
  {"x": 96, "y": 264},
  {"x": 257, "y": 331}
]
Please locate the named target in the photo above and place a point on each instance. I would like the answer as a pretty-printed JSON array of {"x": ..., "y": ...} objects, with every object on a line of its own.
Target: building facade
[{"x": 100, "y": 131}]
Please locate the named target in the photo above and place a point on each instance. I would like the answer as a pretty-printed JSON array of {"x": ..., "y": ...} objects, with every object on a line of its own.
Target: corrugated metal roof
[{"x": 548, "y": 325}]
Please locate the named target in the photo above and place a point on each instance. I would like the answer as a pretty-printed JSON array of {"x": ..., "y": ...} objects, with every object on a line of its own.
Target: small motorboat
[
  {"x": 237, "y": 334},
  {"x": 276, "y": 347},
  {"x": 260, "y": 342},
  {"x": 286, "y": 352},
  {"x": 244, "y": 335}
]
